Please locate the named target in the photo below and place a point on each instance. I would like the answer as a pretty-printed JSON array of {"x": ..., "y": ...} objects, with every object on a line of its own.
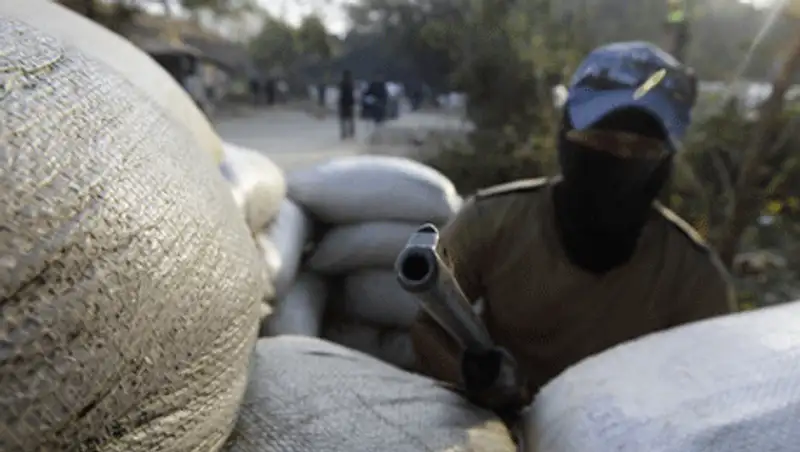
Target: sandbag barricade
[
  {"x": 301, "y": 310},
  {"x": 368, "y": 207},
  {"x": 258, "y": 184},
  {"x": 129, "y": 285},
  {"x": 730, "y": 384},
  {"x": 307, "y": 394},
  {"x": 279, "y": 227},
  {"x": 374, "y": 188},
  {"x": 284, "y": 243}
]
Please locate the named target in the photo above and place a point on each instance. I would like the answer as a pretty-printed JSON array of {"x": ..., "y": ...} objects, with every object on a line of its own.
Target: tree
[
  {"x": 748, "y": 197},
  {"x": 222, "y": 8},
  {"x": 114, "y": 16},
  {"x": 313, "y": 39},
  {"x": 276, "y": 46}
]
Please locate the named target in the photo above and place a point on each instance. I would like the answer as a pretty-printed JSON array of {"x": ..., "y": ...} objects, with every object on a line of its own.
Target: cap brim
[{"x": 586, "y": 108}]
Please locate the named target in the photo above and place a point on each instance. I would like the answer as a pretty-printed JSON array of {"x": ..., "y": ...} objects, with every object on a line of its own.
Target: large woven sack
[
  {"x": 375, "y": 295},
  {"x": 129, "y": 288},
  {"x": 364, "y": 188},
  {"x": 730, "y": 384},
  {"x": 300, "y": 311},
  {"x": 284, "y": 243},
  {"x": 391, "y": 345},
  {"x": 362, "y": 245},
  {"x": 120, "y": 56},
  {"x": 306, "y": 394},
  {"x": 258, "y": 184}
]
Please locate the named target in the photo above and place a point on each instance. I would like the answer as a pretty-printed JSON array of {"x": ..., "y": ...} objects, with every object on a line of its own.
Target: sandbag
[
  {"x": 723, "y": 385},
  {"x": 122, "y": 57},
  {"x": 287, "y": 238},
  {"x": 258, "y": 184},
  {"x": 129, "y": 287},
  {"x": 390, "y": 345},
  {"x": 362, "y": 188},
  {"x": 374, "y": 295},
  {"x": 361, "y": 245},
  {"x": 301, "y": 310},
  {"x": 306, "y": 394}
]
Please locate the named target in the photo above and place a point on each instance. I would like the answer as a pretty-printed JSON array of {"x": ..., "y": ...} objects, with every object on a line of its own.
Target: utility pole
[{"x": 677, "y": 29}]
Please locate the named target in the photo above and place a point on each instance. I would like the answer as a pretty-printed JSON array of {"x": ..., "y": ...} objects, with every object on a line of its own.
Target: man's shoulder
[
  {"x": 680, "y": 227},
  {"x": 522, "y": 186},
  {"x": 701, "y": 267}
]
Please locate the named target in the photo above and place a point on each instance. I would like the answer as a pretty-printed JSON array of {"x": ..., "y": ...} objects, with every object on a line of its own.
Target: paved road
[
  {"x": 290, "y": 138},
  {"x": 293, "y": 138}
]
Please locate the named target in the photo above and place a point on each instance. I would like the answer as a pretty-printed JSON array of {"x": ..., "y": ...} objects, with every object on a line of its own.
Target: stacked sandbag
[
  {"x": 300, "y": 311},
  {"x": 307, "y": 394},
  {"x": 369, "y": 207},
  {"x": 258, "y": 184},
  {"x": 730, "y": 384},
  {"x": 283, "y": 244},
  {"x": 129, "y": 285},
  {"x": 258, "y": 187}
]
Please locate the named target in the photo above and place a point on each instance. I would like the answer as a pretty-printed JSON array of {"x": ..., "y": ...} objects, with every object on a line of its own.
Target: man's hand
[{"x": 493, "y": 380}]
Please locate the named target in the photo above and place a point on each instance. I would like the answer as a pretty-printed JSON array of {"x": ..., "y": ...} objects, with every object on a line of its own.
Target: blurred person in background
[
  {"x": 376, "y": 100},
  {"x": 347, "y": 105}
]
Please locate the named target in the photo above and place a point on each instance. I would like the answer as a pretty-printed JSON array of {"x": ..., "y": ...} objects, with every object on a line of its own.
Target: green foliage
[
  {"x": 721, "y": 30},
  {"x": 115, "y": 17},
  {"x": 276, "y": 46},
  {"x": 313, "y": 38},
  {"x": 280, "y": 45},
  {"x": 710, "y": 166}
]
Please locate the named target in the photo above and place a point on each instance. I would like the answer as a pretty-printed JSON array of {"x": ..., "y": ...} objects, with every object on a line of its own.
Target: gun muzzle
[{"x": 421, "y": 272}]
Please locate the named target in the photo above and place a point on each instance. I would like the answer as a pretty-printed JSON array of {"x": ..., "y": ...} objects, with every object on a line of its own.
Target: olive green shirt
[{"x": 503, "y": 248}]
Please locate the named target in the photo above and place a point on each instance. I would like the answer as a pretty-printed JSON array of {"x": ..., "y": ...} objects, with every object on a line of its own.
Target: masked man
[{"x": 571, "y": 266}]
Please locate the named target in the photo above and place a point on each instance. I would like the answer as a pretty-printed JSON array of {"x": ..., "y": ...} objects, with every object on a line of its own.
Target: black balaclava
[{"x": 603, "y": 201}]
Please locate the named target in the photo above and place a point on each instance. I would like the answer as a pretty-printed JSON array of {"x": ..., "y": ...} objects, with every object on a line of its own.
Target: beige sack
[
  {"x": 120, "y": 56},
  {"x": 129, "y": 287},
  {"x": 284, "y": 243},
  {"x": 257, "y": 183},
  {"x": 309, "y": 395}
]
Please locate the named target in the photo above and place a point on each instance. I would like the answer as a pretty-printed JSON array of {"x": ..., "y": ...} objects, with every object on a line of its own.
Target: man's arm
[{"x": 462, "y": 245}]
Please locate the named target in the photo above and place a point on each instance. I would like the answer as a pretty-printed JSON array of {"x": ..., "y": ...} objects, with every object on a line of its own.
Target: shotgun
[{"x": 491, "y": 370}]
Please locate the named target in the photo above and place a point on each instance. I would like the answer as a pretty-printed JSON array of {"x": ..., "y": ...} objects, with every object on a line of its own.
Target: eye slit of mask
[{"x": 618, "y": 143}]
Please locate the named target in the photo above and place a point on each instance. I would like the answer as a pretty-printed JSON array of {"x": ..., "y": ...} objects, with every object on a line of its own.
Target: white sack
[
  {"x": 258, "y": 184},
  {"x": 129, "y": 284},
  {"x": 301, "y": 310},
  {"x": 375, "y": 295},
  {"x": 390, "y": 345},
  {"x": 730, "y": 384},
  {"x": 363, "y": 188},
  {"x": 309, "y": 395},
  {"x": 271, "y": 258},
  {"x": 354, "y": 335},
  {"x": 283, "y": 244},
  {"x": 362, "y": 245},
  {"x": 396, "y": 348}
]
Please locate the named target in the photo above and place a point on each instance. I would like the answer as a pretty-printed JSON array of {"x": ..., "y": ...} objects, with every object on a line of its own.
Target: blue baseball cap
[{"x": 633, "y": 74}]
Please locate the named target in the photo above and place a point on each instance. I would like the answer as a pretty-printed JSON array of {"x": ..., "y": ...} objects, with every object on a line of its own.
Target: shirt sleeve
[
  {"x": 711, "y": 294},
  {"x": 461, "y": 246}
]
